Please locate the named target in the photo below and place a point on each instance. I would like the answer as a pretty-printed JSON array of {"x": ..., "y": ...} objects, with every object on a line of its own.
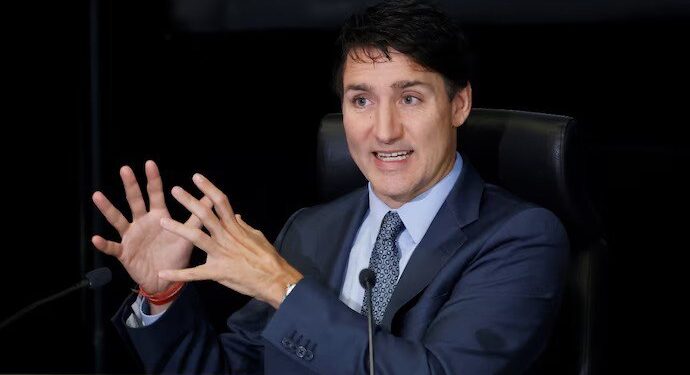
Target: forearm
[
  {"x": 317, "y": 330},
  {"x": 180, "y": 341},
  {"x": 321, "y": 333}
]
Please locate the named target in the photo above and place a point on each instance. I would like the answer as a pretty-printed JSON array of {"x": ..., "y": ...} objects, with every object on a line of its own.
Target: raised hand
[
  {"x": 145, "y": 248},
  {"x": 239, "y": 256}
]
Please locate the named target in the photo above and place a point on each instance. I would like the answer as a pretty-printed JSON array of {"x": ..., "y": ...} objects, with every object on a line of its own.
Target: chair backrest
[{"x": 536, "y": 156}]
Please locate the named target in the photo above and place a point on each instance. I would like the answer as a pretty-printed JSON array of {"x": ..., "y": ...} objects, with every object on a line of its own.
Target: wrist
[
  {"x": 163, "y": 298},
  {"x": 283, "y": 286}
]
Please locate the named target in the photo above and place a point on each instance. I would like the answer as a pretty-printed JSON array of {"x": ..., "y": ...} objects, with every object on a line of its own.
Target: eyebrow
[
  {"x": 358, "y": 87},
  {"x": 406, "y": 84},
  {"x": 395, "y": 85}
]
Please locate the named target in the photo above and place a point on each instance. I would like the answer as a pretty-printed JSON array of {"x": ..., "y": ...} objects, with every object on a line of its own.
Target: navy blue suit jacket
[{"x": 478, "y": 296}]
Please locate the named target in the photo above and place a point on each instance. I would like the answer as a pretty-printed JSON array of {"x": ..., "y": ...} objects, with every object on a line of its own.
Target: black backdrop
[{"x": 241, "y": 104}]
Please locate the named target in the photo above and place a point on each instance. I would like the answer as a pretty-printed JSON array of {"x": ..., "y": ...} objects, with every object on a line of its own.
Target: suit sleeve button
[
  {"x": 288, "y": 344},
  {"x": 308, "y": 355},
  {"x": 301, "y": 351}
]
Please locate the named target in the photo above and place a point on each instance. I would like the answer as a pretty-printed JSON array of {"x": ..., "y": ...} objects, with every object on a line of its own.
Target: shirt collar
[{"x": 418, "y": 213}]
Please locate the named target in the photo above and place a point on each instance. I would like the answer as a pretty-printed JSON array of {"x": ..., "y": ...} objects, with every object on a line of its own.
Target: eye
[
  {"x": 409, "y": 99},
  {"x": 360, "y": 101}
]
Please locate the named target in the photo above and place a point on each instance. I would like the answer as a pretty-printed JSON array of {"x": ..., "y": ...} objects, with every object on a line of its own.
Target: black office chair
[{"x": 536, "y": 157}]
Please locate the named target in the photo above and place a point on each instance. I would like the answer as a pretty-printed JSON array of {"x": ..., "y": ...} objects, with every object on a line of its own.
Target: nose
[{"x": 388, "y": 128}]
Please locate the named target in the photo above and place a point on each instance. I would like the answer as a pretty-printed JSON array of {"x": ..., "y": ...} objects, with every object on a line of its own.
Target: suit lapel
[
  {"x": 441, "y": 241},
  {"x": 336, "y": 242}
]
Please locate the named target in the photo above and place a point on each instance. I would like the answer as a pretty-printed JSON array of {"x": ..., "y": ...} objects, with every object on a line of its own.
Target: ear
[{"x": 461, "y": 104}]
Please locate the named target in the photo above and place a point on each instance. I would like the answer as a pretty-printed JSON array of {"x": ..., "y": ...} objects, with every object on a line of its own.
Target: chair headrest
[
  {"x": 337, "y": 173},
  {"x": 532, "y": 155}
]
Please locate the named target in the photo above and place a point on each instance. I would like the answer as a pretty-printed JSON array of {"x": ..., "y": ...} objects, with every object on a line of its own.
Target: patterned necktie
[{"x": 385, "y": 262}]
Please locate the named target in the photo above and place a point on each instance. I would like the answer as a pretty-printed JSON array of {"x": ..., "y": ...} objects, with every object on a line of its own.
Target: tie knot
[{"x": 391, "y": 226}]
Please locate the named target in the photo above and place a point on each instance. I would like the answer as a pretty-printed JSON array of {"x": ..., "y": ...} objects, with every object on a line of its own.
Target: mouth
[{"x": 393, "y": 156}]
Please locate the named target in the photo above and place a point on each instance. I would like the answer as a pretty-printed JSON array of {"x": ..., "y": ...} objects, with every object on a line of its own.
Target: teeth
[{"x": 393, "y": 156}]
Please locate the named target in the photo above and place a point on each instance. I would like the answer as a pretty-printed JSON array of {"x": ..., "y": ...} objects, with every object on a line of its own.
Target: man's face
[{"x": 399, "y": 123}]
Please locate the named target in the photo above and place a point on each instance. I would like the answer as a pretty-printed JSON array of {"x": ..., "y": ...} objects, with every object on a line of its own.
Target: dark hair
[{"x": 415, "y": 28}]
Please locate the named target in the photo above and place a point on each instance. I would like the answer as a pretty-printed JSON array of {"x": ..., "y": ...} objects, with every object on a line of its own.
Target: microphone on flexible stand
[
  {"x": 93, "y": 279},
  {"x": 367, "y": 278}
]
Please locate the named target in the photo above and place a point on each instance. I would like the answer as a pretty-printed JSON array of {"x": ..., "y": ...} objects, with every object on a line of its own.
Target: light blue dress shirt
[{"x": 417, "y": 216}]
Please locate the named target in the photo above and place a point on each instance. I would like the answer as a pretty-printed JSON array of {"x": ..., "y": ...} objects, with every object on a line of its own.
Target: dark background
[{"x": 236, "y": 90}]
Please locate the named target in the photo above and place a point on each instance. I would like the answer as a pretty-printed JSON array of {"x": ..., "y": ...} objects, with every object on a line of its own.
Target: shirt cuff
[{"x": 141, "y": 314}]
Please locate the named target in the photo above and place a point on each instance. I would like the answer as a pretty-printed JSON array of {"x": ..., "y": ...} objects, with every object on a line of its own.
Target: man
[{"x": 468, "y": 276}]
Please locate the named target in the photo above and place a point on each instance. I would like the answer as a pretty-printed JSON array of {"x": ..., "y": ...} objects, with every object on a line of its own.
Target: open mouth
[{"x": 393, "y": 156}]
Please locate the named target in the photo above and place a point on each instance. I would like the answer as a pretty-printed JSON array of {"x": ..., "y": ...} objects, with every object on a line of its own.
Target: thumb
[{"x": 187, "y": 274}]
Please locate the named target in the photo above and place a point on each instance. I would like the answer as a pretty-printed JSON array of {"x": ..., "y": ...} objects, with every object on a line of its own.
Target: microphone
[
  {"x": 98, "y": 277},
  {"x": 367, "y": 278},
  {"x": 93, "y": 279}
]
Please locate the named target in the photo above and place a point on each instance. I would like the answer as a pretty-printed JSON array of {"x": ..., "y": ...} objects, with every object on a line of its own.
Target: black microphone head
[
  {"x": 99, "y": 277},
  {"x": 367, "y": 276}
]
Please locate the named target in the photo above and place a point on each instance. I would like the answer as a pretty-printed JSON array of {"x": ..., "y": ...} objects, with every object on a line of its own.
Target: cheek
[
  {"x": 352, "y": 136},
  {"x": 356, "y": 131},
  {"x": 434, "y": 143},
  {"x": 355, "y": 143}
]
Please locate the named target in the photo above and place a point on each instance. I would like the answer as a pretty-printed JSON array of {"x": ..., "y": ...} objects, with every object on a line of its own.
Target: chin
[{"x": 392, "y": 188}]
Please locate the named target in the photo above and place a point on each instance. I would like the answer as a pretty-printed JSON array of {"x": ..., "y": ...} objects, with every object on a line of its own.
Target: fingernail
[
  {"x": 176, "y": 190},
  {"x": 198, "y": 177}
]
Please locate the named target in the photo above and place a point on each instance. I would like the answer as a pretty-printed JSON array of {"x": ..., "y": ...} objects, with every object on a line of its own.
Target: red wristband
[{"x": 161, "y": 298}]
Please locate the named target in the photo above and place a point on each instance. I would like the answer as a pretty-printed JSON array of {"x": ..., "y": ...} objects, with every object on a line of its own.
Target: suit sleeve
[
  {"x": 183, "y": 341},
  {"x": 496, "y": 319}
]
